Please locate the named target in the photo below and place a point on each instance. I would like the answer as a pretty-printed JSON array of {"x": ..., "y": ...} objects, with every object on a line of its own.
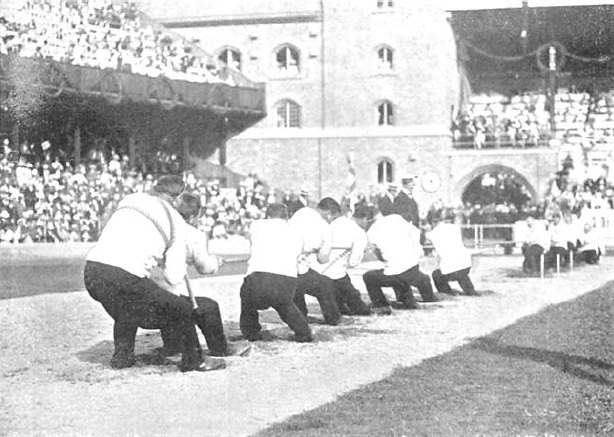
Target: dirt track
[{"x": 56, "y": 379}]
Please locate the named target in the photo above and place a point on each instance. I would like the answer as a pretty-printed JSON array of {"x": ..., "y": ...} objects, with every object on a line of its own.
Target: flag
[{"x": 351, "y": 178}]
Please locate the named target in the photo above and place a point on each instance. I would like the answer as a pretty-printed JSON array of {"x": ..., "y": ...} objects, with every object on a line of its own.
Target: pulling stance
[
  {"x": 316, "y": 241},
  {"x": 455, "y": 259},
  {"x": 207, "y": 315},
  {"x": 271, "y": 279},
  {"x": 397, "y": 244},
  {"x": 348, "y": 247},
  {"x": 145, "y": 230}
]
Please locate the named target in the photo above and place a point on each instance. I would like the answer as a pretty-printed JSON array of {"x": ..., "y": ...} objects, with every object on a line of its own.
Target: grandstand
[{"x": 159, "y": 93}]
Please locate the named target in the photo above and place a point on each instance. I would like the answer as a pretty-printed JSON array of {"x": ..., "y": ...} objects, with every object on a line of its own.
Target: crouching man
[
  {"x": 145, "y": 230},
  {"x": 207, "y": 315},
  {"x": 396, "y": 242},
  {"x": 349, "y": 242},
  {"x": 454, "y": 258},
  {"x": 271, "y": 279}
]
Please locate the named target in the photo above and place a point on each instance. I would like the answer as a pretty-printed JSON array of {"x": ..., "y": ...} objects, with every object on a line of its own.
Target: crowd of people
[
  {"x": 296, "y": 249},
  {"x": 103, "y": 34},
  {"x": 525, "y": 120}
]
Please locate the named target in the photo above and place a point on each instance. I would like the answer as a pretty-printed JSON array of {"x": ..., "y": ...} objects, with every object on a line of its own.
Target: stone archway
[{"x": 463, "y": 183}]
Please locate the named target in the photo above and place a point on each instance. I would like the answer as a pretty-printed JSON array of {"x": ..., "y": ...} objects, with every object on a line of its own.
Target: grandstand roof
[
  {"x": 185, "y": 10},
  {"x": 493, "y": 36}
]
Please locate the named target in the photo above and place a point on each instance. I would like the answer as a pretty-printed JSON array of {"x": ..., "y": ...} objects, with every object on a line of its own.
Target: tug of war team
[{"x": 137, "y": 269}]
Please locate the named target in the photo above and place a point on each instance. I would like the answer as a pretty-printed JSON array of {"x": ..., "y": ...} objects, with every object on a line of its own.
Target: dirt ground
[{"x": 55, "y": 349}]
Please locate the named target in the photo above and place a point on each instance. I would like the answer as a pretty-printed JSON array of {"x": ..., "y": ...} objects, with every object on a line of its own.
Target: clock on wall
[{"x": 430, "y": 181}]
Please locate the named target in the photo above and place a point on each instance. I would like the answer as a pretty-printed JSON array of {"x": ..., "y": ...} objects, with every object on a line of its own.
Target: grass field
[{"x": 551, "y": 374}]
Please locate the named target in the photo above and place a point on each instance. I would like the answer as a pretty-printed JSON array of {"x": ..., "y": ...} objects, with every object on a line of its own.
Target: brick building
[{"x": 367, "y": 81}]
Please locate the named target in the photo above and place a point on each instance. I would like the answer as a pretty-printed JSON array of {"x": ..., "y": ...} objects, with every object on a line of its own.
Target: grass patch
[{"x": 551, "y": 374}]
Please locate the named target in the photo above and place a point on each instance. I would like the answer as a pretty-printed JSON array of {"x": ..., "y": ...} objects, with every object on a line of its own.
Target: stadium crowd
[
  {"x": 524, "y": 120},
  {"x": 103, "y": 35},
  {"x": 46, "y": 199}
]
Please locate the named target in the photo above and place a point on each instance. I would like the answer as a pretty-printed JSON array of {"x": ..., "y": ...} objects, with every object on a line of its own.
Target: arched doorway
[
  {"x": 495, "y": 183},
  {"x": 496, "y": 196}
]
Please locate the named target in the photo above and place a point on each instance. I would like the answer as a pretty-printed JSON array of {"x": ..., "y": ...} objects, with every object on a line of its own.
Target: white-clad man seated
[
  {"x": 591, "y": 245},
  {"x": 454, "y": 258},
  {"x": 536, "y": 243}
]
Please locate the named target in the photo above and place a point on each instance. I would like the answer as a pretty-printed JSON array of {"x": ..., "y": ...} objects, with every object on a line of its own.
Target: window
[
  {"x": 385, "y": 173},
  {"x": 287, "y": 59},
  {"x": 230, "y": 58},
  {"x": 381, "y": 4},
  {"x": 288, "y": 114},
  {"x": 385, "y": 56},
  {"x": 385, "y": 116}
]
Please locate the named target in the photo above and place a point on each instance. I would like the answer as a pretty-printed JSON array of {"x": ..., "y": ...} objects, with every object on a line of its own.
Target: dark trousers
[
  {"x": 261, "y": 291},
  {"x": 532, "y": 254},
  {"x": 208, "y": 318},
  {"x": 401, "y": 284},
  {"x": 134, "y": 303},
  {"x": 442, "y": 282},
  {"x": 563, "y": 254},
  {"x": 589, "y": 256},
  {"x": 323, "y": 289},
  {"x": 348, "y": 298}
]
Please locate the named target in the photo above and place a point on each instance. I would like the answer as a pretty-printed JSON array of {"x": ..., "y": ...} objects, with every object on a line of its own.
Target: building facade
[{"x": 366, "y": 87}]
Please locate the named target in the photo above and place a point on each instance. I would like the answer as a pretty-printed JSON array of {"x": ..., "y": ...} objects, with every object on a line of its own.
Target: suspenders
[{"x": 168, "y": 239}]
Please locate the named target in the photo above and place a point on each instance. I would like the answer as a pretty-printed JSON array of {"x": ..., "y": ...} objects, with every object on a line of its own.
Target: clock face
[{"x": 430, "y": 181}]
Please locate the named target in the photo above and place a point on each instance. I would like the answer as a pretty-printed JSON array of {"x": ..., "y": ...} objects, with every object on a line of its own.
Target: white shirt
[
  {"x": 349, "y": 242},
  {"x": 398, "y": 242},
  {"x": 314, "y": 234},
  {"x": 537, "y": 234},
  {"x": 132, "y": 241},
  {"x": 560, "y": 234},
  {"x": 275, "y": 248},
  {"x": 448, "y": 242}
]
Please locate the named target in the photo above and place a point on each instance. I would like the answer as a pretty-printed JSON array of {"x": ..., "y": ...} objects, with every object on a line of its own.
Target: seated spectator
[
  {"x": 560, "y": 242},
  {"x": 536, "y": 244},
  {"x": 591, "y": 245}
]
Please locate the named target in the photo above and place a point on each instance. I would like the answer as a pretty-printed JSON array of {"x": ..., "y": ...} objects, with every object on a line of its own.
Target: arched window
[
  {"x": 385, "y": 115},
  {"x": 288, "y": 114},
  {"x": 287, "y": 60},
  {"x": 230, "y": 58},
  {"x": 385, "y": 57},
  {"x": 385, "y": 172}
]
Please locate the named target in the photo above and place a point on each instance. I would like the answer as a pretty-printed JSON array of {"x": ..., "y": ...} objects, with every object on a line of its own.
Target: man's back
[
  {"x": 131, "y": 240},
  {"x": 398, "y": 242},
  {"x": 274, "y": 248}
]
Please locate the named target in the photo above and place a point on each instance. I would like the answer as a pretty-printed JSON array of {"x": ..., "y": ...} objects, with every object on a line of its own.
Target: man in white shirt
[
  {"x": 454, "y": 258},
  {"x": 145, "y": 230},
  {"x": 537, "y": 242},
  {"x": 271, "y": 276},
  {"x": 316, "y": 240},
  {"x": 560, "y": 241},
  {"x": 207, "y": 315},
  {"x": 349, "y": 242},
  {"x": 591, "y": 245},
  {"x": 396, "y": 242}
]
